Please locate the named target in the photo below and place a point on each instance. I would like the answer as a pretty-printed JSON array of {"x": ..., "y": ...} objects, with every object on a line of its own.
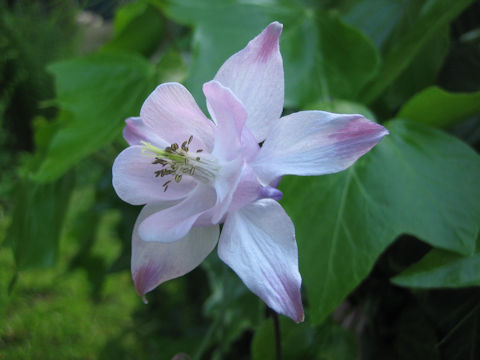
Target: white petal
[
  {"x": 134, "y": 180},
  {"x": 250, "y": 146},
  {"x": 233, "y": 144},
  {"x": 255, "y": 75},
  {"x": 136, "y": 132},
  {"x": 154, "y": 263},
  {"x": 229, "y": 115},
  {"x": 175, "y": 222},
  {"x": 258, "y": 243},
  {"x": 225, "y": 186},
  {"x": 236, "y": 186},
  {"x": 174, "y": 115},
  {"x": 315, "y": 143}
]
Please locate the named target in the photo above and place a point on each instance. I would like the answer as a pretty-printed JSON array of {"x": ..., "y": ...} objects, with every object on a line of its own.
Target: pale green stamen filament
[{"x": 177, "y": 161}]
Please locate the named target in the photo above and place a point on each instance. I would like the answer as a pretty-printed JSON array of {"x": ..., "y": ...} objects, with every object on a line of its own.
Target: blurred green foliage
[
  {"x": 388, "y": 249},
  {"x": 96, "y": 106}
]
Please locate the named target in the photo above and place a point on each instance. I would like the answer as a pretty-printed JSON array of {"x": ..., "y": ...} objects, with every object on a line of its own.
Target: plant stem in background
[{"x": 278, "y": 336}]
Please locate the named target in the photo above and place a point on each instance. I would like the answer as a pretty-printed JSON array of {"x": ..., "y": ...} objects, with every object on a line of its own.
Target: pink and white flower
[{"x": 194, "y": 174}]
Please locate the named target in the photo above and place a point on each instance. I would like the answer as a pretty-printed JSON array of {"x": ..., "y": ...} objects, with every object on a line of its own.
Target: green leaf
[
  {"x": 437, "y": 107},
  {"x": 296, "y": 340},
  {"x": 323, "y": 57},
  {"x": 418, "y": 181},
  {"x": 263, "y": 344},
  {"x": 37, "y": 221},
  {"x": 434, "y": 15},
  {"x": 335, "y": 343},
  {"x": 300, "y": 341},
  {"x": 138, "y": 27},
  {"x": 98, "y": 92},
  {"x": 420, "y": 73},
  {"x": 376, "y": 18},
  {"x": 441, "y": 269},
  {"x": 44, "y": 131},
  {"x": 385, "y": 23},
  {"x": 172, "y": 66}
]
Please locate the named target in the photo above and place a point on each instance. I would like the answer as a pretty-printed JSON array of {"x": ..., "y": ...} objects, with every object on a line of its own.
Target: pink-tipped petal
[
  {"x": 154, "y": 263},
  {"x": 255, "y": 75},
  {"x": 258, "y": 243},
  {"x": 174, "y": 115},
  {"x": 136, "y": 132},
  {"x": 175, "y": 222},
  {"x": 229, "y": 115},
  {"x": 134, "y": 180},
  {"x": 315, "y": 143}
]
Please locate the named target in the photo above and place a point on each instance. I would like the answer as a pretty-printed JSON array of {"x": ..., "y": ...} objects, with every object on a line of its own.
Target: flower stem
[{"x": 278, "y": 338}]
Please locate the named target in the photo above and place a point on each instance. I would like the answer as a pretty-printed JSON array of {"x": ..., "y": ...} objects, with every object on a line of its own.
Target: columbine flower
[{"x": 194, "y": 173}]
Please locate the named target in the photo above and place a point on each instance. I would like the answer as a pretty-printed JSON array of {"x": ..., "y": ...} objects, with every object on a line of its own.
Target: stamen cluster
[{"x": 176, "y": 161}]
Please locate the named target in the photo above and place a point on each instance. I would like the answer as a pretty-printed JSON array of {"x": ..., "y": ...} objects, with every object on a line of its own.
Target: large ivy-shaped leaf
[
  {"x": 418, "y": 180},
  {"x": 325, "y": 59}
]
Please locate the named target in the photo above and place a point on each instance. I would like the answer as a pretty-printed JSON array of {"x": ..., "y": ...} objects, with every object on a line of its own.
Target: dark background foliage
[{"x": 388, "y": 250}]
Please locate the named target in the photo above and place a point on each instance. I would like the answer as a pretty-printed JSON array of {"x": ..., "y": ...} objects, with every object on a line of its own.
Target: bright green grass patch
[
  {"x": 50, "y": 314},
  {"x": 48, "y": 317}
]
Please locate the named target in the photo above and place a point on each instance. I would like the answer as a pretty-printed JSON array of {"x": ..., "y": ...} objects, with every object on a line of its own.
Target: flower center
[{"x": 178, "y": 161}]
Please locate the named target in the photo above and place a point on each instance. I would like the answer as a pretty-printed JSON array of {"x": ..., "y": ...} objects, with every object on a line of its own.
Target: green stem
[{"x": 278, "y": 338}]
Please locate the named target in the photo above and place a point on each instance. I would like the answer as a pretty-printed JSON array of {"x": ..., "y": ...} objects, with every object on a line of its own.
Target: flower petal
[
  {"x": 225, "y": 185},
  {"x": 175, "y": 222},
  {"x": 154, "y": 263},
  {"x": 174, "y": 115},
  {"x": 136, "y": 131},
  {"x": 258, "y": 243},
  {"x": 134, "y": 179},
  {"x": 255, "y": 75},
  {"x": 236, "y": 186},
  {"x": 250, "y": 146},
  {"x": 229, "y": 115},
  {"x": 249, "y": 189},
  {"x": 315, "y": 143}
]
